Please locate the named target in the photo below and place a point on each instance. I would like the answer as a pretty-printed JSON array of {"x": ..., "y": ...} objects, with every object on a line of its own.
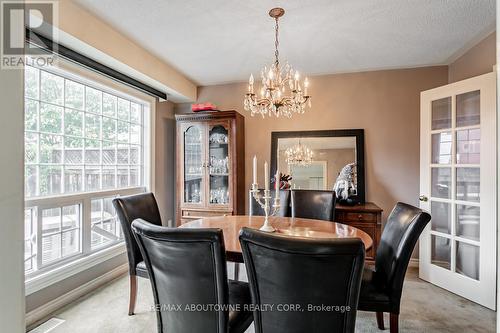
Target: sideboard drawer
[
  {"x": 203, "y": 213},
  {"x": 360, "y": 217},
  {"x": 366, "y": 217}
]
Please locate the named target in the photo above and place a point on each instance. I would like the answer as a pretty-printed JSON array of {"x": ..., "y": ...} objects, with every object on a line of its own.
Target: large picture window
[{"x": 84, "y": 145}]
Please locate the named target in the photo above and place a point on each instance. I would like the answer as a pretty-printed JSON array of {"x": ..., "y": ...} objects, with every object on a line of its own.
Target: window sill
[{"x": 46, "y": 279}]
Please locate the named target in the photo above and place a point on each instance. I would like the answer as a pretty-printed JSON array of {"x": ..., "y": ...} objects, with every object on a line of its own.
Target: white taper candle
[
  {"x": 254, "y": 169},
  {"x": 277, "y": 179},
  {"x": 266, "y": 175}
]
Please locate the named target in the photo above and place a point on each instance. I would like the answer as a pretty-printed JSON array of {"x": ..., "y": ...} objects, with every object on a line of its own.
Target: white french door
[{"x": 458, "y": 188}]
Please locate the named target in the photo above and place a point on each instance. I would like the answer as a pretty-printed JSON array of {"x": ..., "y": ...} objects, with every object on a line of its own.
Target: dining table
[{"x": 292, "y": 227}]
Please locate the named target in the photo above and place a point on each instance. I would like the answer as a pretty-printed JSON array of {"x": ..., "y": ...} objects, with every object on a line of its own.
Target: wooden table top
[{"x": 295, "y": 227}]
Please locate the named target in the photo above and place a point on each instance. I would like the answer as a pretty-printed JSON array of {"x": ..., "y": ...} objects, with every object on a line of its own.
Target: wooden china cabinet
[{"x": 210, "y": 165}]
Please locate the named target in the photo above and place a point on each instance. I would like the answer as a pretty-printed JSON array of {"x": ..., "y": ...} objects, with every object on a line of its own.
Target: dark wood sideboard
[{"x": 367, "y": 217}]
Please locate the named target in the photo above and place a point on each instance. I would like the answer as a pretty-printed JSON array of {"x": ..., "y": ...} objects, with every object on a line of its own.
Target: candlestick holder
[{"x": 264, "y": 202}]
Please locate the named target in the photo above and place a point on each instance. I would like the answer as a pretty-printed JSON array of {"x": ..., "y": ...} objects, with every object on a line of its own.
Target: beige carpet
[{"x": 425, "y": 308}]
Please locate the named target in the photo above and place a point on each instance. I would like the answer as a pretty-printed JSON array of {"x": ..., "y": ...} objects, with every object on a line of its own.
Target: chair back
[
  {"x": 128, "y": 209},
  {"x": 309, "y": 273},
  {"x": 313, "y": 204},
  {"x": 186, "y": 267},
  {"x": 256, "y": 210},
  {"x": 401, "y": 232}
]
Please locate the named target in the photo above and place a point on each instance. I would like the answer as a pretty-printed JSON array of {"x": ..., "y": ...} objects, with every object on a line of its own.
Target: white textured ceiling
[{"x": 221, "y": 41}]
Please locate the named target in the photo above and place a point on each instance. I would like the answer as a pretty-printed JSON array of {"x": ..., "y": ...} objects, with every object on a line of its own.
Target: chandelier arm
[{"x": 264, "y": 102}]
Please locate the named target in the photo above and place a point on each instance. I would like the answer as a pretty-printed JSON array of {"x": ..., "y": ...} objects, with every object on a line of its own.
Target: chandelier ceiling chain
[
  {"x": 281, "y": 93},
  {"x": 277, "y": 44}
]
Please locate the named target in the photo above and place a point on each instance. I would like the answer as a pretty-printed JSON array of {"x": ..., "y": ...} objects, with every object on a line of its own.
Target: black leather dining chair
[
  {"x": 382, "y": 286},
  {"x": 310, "y": 273},
  {"x": 313, "y": 204},
  {"x": 256, "y": 210},
  {"x": 187, "y": 267},
  {"x": 128, "y": 209}
]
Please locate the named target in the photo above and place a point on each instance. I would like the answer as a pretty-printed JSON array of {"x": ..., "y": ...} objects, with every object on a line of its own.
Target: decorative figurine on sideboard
[{"x": 345, "y": 184}]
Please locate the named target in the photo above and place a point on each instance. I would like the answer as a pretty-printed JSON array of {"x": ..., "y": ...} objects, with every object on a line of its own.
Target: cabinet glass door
[
  {"x": 219, "y": 165},
  {"x": 194, "y": 164}
]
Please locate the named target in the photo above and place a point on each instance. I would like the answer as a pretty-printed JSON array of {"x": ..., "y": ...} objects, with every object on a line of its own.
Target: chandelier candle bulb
[{"x": 250, "y": 84}]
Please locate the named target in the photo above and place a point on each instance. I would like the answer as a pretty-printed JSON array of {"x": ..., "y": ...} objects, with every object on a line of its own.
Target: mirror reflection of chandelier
[
  {"x": 299, "y": 154},
  {"x": 281, "y": 93}
]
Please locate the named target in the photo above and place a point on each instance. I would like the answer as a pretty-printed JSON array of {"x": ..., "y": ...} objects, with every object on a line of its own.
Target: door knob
[{"x": 423, "y": 198}]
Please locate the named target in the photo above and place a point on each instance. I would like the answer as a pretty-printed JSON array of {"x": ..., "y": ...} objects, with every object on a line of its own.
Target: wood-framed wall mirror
[{"x": 322, "y": 160}]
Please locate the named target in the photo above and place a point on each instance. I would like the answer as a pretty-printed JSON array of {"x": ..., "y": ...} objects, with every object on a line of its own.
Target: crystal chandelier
[
  {"x": 299, "y": 155},
  {"x": 281, "y": 93}
]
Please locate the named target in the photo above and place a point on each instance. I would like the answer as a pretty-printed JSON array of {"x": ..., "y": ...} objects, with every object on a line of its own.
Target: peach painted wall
[
  {"x": 480, "y": 59},
  {"x": 165, "y": 161},
  {"x": 386, "y": 104}
]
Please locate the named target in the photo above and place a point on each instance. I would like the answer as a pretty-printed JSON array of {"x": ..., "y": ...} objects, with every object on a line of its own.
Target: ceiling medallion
[
  {"x": 281, "y": 93},
  {"x": 299, "y": 154}
]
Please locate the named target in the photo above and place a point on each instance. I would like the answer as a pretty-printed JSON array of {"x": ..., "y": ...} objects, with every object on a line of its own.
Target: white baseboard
[
  {"x": 45, "y": 310},
  {"x": 414, "y": 263}
]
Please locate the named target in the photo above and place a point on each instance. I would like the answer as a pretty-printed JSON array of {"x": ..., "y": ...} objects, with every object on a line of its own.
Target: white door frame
[{"x": 484, "y": 290}]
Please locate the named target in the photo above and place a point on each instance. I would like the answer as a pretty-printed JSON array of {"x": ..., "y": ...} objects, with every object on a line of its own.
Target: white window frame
[{"x": 36, "y": 280}]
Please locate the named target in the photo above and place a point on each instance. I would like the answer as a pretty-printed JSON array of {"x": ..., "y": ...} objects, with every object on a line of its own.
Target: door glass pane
[
  {"x": 468, "y": 109},
  {"x": 468, "y": 184},
  {"x": 468, "y": 219},
  {"x": 441, "y": 148},
  {"x": 441, "y": 217},
  {"x": 467, "y": 260},
  {"x": 441, "y": 251},
  {"x": 441, "y": 113},
  {"x": 219, "y": 165},
  {"x": 193, "y": 165},
  {"x": 441, "y": 183},
  {"x": 468, "y": 146}
]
